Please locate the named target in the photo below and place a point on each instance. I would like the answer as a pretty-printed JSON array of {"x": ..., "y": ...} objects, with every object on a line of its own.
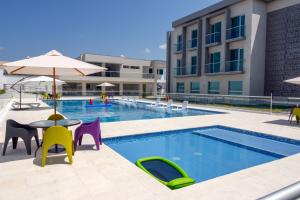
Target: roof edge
[{"x": 205, "y": 11}]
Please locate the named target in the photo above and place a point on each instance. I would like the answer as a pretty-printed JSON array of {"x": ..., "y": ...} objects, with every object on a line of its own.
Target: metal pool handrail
[{"x": 290, "y": 192}]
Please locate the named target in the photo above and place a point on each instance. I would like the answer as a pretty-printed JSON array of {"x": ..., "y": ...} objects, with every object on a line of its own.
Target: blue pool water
[
  {"x": 206, "y": 153},
  {"x": 117, "y": 112}
]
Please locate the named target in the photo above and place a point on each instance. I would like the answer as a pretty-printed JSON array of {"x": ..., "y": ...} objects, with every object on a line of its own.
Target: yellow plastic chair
[
  {"x": 296, "y": 112},
  {"x": 55, "y": 117},
  {"x": 58, "y": 135}
]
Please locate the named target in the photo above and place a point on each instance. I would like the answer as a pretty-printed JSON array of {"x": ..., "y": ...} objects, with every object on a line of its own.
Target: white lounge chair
[
  {"x": 182, "y": 108},
  {"x": 153, "y": 105},
  {"x": 165, "y": 107}
]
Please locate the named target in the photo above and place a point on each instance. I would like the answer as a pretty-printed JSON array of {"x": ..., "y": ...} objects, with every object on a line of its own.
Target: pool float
[
  {"x": 98, "y": 105},
  {"x": 165, "y": 171}
]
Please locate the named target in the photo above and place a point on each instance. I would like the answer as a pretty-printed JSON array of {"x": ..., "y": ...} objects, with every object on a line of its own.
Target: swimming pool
[
  {"x": 207, "y": 152},
  {"x": 117, "y": 112}
]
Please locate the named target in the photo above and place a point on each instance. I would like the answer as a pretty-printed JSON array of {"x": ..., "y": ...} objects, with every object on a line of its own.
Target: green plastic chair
[{"x": 58, "y": 135}]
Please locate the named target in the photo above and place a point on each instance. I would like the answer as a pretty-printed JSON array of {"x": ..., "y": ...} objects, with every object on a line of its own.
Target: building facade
[
  {"x": 129, "y": 76},
  {"x": 236, "y": 47}
]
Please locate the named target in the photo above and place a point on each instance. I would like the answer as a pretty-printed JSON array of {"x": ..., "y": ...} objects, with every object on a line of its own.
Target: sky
[{"x": 132, "y": 28}]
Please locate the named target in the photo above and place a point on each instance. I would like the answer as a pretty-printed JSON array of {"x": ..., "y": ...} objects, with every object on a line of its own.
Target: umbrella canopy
[
  {"x": 42, "y": 79},
  {"x": 52, "y": 63},
  {"x": 44, "y": 64},
  {"x": 293, "y": 81},
  {"x": 105, "y": 84}
]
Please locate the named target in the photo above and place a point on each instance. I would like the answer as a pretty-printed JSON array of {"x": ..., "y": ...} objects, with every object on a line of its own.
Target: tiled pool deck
[{"x": 107, "y": 175}]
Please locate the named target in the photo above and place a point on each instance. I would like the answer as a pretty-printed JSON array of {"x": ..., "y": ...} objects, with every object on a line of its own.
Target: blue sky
[{"x": 134, "y": 28}]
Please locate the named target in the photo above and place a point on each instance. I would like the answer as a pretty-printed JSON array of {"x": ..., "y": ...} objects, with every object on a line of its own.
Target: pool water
[
  {"x": 117, "y": 112},
  {"x": 201, "y": 152}
]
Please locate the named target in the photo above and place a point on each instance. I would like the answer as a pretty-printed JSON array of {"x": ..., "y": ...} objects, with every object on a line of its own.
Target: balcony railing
[
  {"x": 193, "y": 43},
  {"x": 235, "y": 32},
  {"x": 234, "y": 66},
  {"x": 177, "y": 47},
  {"x": 213, "y": 38},
  {"x": 186, "y": 71},
  {"x": 211, "y": 68},
  {"x": 124, "y": 74}
]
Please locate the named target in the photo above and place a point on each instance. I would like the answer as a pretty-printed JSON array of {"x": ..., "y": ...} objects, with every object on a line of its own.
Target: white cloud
[
  {"x": 123, "y": 56},
  {"x": 163, "y": 46},
  {"x": 147, "y": 50}
]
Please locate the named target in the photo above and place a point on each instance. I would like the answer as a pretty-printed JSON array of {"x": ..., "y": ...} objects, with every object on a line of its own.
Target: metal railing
[
  {"x": 237, "y": 100},
  {"x": 177, "y": 47},
  {"x": 235, "y": 32},
  {"x": 213, "y": 38},
  {"x": 193, "y": 43},
  {"x": 290, "y": 192},
  {"x": 124, "y": 74},
  {"x": 233, "y": 66},
  {"x": 185, "y": 71},
  {"x": 211, "y": 68}
]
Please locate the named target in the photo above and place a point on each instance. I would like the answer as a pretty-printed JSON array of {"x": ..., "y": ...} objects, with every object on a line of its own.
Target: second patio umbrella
[{"x": 52, "y": 63}]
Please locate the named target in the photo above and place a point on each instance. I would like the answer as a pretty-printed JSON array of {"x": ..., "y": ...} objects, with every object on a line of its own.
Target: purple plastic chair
[{"x": 92, "y": 128}]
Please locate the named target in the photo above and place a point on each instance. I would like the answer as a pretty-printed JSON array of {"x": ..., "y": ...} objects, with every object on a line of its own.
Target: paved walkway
[{"x": 105, "y": 174}]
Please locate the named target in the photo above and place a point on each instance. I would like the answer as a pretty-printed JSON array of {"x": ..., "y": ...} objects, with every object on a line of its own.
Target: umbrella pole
[
  {"x": 20, "y": 106},
  {"x": 54, "y": 91}
]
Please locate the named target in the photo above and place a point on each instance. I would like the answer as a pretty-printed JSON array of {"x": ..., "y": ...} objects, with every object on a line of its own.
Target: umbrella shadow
[
  {"x": 283, "y": 122},
  {"x": 52, "y": 160},
  {"x": 17, "y": 154}
]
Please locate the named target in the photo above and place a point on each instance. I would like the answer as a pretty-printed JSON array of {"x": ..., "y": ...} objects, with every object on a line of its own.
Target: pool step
[{"x": 259, "y": 143}]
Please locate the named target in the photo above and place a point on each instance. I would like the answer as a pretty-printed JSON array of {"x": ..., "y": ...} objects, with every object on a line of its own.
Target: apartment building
[
  {"x": 236, "y": 47},
  {"x": 130, "y": 77}
]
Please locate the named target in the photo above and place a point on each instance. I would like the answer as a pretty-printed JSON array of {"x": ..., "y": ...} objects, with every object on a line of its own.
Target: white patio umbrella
[
  {"x": 40, "y": 80},
  {"x": 105, "y": 84},
  {"x": 293, "y": 81},
  {"x": 52, "y": 63}
]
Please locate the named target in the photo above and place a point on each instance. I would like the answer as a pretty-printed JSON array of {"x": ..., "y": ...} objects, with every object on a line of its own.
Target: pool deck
[{"x": 105, "y": 174}]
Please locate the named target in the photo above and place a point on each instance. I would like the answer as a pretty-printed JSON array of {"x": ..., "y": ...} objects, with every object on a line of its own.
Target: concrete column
[
  {"x": 140, "y": 89},
  {"x": 199, "y": 53},
  {"x": 83, "y": 88},
  {"x": 121, "y": 89},
  {"x": 103, "y": 73},
  {"x": 154, "y": 90}
]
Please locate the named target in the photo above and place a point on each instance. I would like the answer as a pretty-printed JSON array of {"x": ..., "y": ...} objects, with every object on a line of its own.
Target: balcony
[
  {"x": 177, "y": 48},
  {"x": 235, "y": 33},
  {"x": 234, "y": 66},
  {"x": 193, "y": 44},
  {"x": 231, "y": 67},
  {"x": 213, "y": 39},
  {"x": 212, "y": 68},
  {"x": 186, "y": 71}
]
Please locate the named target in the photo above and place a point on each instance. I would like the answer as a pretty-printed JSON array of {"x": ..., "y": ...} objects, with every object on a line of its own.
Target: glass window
[
  {"x": 238, "y": 26},
  {"x": 179, "y": 68},
  {"x": 135, "y": 67},
  {"x": 179, "y": 43},
  {"x": 195, "y": 87},
  {"x": 213, "y": 87},
  {"x": 194, "y": 42},
  {"x": 214, "y": 64},
  {"x": 236, "y": 60},
  {"x": 193, "y": 64},
  {"x": 180, "y": 87},
  {"x": 235, "y": 88},
  {"x": 150, "y": 70},
  {"x": 160, "y": 71}
]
